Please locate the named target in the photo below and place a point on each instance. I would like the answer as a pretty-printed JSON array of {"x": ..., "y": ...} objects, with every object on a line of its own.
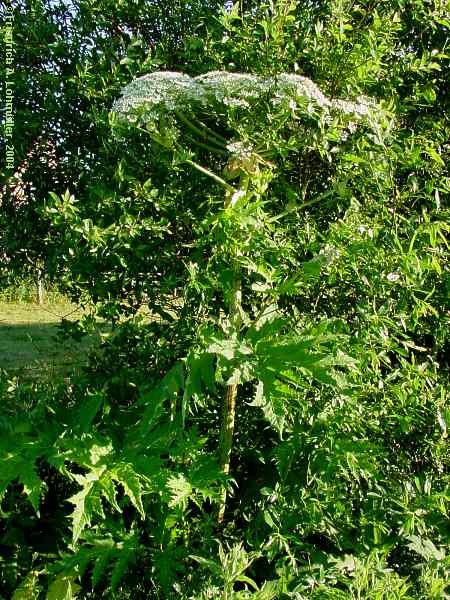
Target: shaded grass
[{"x": 30, "y": 346}]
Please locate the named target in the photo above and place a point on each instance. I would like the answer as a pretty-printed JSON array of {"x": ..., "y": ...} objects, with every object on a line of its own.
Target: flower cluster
[
  {"x": 240, "y": 150},
  {"x": 171, "y": 91},
  {"x": 166, "y": 88},
  {"x": 221, "y": 86},
  {"x": 291, "y": 86}
]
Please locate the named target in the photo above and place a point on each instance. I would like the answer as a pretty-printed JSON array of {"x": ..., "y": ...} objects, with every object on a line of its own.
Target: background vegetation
[{"x": 339, "y": 478}]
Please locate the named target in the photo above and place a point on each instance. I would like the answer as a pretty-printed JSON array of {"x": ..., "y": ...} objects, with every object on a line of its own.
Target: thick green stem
[
  {"x": 226, "y": 185},
  {"x": 212, "y": 140},
  {"x": 219, "y": 138},
  {"x": 227, "y": 430},
  {"x": 229, "y": 405},
  {"x": 206, "y": 146},
  {"x": 159, "y": 140}
]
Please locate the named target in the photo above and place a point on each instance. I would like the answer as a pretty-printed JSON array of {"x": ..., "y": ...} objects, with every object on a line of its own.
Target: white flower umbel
[
  {"x": 219, "y": 85},
  {"x": 171, "y": 92},
  {"x": 297, "y": 87},
  {"x": 165, "y": 89}
]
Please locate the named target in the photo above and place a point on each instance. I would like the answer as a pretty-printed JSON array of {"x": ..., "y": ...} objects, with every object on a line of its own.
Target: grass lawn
[{"x": 28, "y": 344}]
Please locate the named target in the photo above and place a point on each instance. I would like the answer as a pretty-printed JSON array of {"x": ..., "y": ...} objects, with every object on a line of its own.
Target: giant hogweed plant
[
  {"x": 241, "y": 125},
  {"x": 238, "y": 132},
  {"x": 235, "y": 130}
]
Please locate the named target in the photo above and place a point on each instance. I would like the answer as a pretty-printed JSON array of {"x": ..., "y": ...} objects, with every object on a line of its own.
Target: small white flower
[
  {"x": 240, "y": 150},
  {"x": 328, "y": 254},
  {"x": 236, "y": 102},
  {"x": 236, "y": 196},
  {"x": 394, "y": 276},
  {"x": 442, "y": 423},
  {"x": 362, "y": 229}
]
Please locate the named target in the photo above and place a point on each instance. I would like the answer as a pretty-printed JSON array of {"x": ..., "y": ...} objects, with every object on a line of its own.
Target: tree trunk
[{"x": 40, "y": 287}]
